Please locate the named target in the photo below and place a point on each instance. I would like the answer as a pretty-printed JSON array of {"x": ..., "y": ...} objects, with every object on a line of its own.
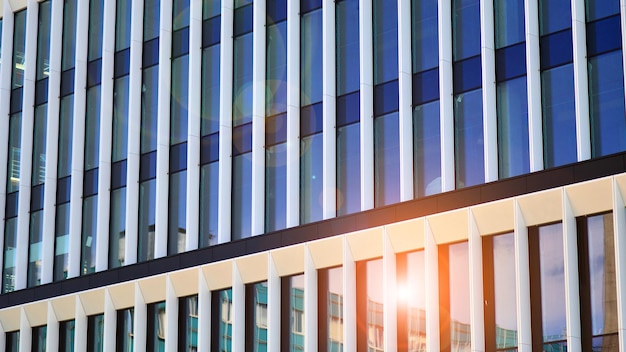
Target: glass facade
[
  {"x": 256, "y": 317},
  {"x": 369, "y": 301},
  {"x": 38, "y": 343},
  {"x": 454, "y": 297},
  {"x": 222, "y": 320},
  {"x": 188, "y": 324},
  {"x": 411, "y": 301},
  {"x": 156, "y": 327},
  {"x": 124, "y": 330},
  {"x": 67, "y": 332},
  {"x": 95, "y": 333}
]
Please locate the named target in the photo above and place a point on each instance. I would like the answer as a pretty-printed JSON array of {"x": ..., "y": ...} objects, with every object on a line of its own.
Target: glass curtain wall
[
  {"x": 156, "y": 327},
  {"x": 256, "y": 317},
  {"x": 468, "y": 106},
  {"x": 330, "y": 309},
  {"x": 276, "y": 116},
  {"x": 12, "y": 341},
  {"x": 95, "y": 333},
  {"x": 241, "y": 208},
  {"x": 557, "y": 82},
  {"x": 148, "y": 138},
  {"x": 348, "y": 107},
  {"x": 177, "y": 219},
  {"x": 454, "y": 298},
  {"x": 311, "y": 119},
  {"x": 67, "y": 331},
  {"x": 369, "y": 305},
  {"x": 188, "y": 324},
  {"x": 14, "y": 151},
  {"x": 38, "y": 171},
  {"x": 119, "y": 155},
  {"x": 124, "y": 334},
  {"x": 92, "y": 138},
  {"x": 606, "y": 77},
  {"x": 411, "y": 300},
  {"x": 66, "y": 126},
  {"x": 511, "y": 97},
  {"x": 38, "y": 338},
  {"x": 426, "y": 121},
  {"x": 292, "y": 314},
  {"x": 210, "y": 122},
  {"x": 222, "y": 320}
]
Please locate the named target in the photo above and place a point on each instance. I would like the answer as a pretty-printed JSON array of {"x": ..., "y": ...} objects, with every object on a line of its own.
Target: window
[
  {"x": 411, "y": 301},
  {"x": 221, "y": 320},
  {"x": 369, "y": 302},
  {"x": 256, "y": 317},
  {"x": 156, "y": 327},
  {"x": 125, "y": 325},
  {"x": 292, "y": 311},
  {"x": 454, "y": 298},
  {"x": 12, "y": 341},
  {"x": 67, "y": 331},
  {"x": 39, "y": 338},
  {"x": 95, "y": 333},
  {"x": 188, "y": 324}
]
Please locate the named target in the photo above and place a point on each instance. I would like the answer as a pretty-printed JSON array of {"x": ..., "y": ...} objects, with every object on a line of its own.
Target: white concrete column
[
  {"x": 163, "y": 127},
  {"x": 572, "y": 287},
  {"x": 26, "y": 334},
  {"x": 226, "y": 122},
  {"x": 431, "y": 262},
  {"x": 329, "y": 103},
  {"x": 238, "y": 312},
  {"x": 78, "y": 137},
  {"x": 106, "y": 136},
  {"x": 366, "y": 54},
  {"x": 171, "y": 316},
  {"x": 52, "y": 329},
  {"x": 80, "y": 327},
  {"x": 405, "y": 113},
  {"x": 310, "y": 302},
  {"x": 133, "y": 161},
  {"x": 139, "y": 325},
  {"x": 194, "y": 124},
  {"x": 204, "y": 314},
  {"x": 273, "y": 306},
  {"x": 477, "y": 310},
  {"x": 522, "y": 278},
  {"x": 293, "y": 114},
  {"x": 390, "y": 297},
  {"x": 488, "y": 62},
  {"x": 619, "y": 232},
  {"x": 3, "y": 336},
  {"x": 446, "y": 108},
  {"x": 533, "y": 86},
  {"x": 349, "y": 298},
  {"x": 26, "y": 153},
  {"x": 581, "y": 87},
  {"x": 110, "y": 323},
  {"x": 258, "y": 119},
  {"x": 52, "y": 141}
]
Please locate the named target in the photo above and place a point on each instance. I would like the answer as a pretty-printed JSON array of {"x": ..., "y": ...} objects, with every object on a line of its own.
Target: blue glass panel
[
  {"x": 43, "y": 41},
  {"x": 10, "y": 246},
  {"x": 209, "y": 205},
  {"x": 309, "y": 5},
  {"x": 122, "y": 24},
  {"x": 311, "y": 58},
  {"x": 348, "y": 169},
  {"x": 147, "y": 207},
  {"x": 68, "y": 47},
  {"x": 38, "y": 166},
  {"x": 118, "y": 174},
  {"x": 467, "y": 75},
  {"x": 36, "y": 197},
  {"x": 554, "y": 15},
  {"x": 606, "y": 104},
  {"x": 210, "y": 148},
  {"x": 275, "y": 187},
  {"x": 149, "y": 109},
  {"x": 511, "y": 62},
  {"x": 180, "y": 42},
  {"x": 90, "y": 183},
  {"x": 242, "y": 139},
  {"x": 66, "y": 126},
  {"x": 552, "y": 272},
  {"x": 177, "y": 209},
  {"x": 178, "y": 157},
  {"x": 559, "y": 116},
  {"x": 276, "y": 11},
  {"x": 424, "y": 34},
  {"x": 427, "y": 149},
  {"x": 211, "y": 8},
  {"x": 41, "y": 91},
  {"x": 509, "y": 22},
  {"x": 179, "y": 100},
  {"x": 242, "y": 80},
  {"x": 211, "y": 31},
  {"x": 347, "y": 41},
  {"x": 386, "y": 160},
  {"x": 63, "y": 189},
  {"x": 311, "y": 178},
  {"x": 117, "y": 228},
  {"x": 89, "y": 235},
  {"x": 276, "y": 129},
  {"x": 385, "y": 32},
  {"x": 311, "y": 119},
  {"x": 150, "y": 53},
  {"x": 11, "y": 204},
  {"x": 556, "y": 49},
  {"x": 147, "y": 170},
  {"x": 426, "y": 86},
  {"x": 121, "y": 98},
  {"x": 180, "y": 14},
  {"x": 92, "y": 128},
  {"x": 16, "y": 101},
  {"x": 67, "y": 82},
  {"x": 348, "y": 109},
  {"x": 597, "y": 9},
  {"x": 604, "y": 36},
  {"x": 243, "y": 20},
  {"x": 276, "y": 70},
  {"x": 512, "y": 106},
  {"x": 386, "y": 98},
  {"x": 465, "y": 29},
  {"x": 210, "y": 104},
  {"x": 122, "y": 63},
  {"x": 94, "y": 72},
  {"x": 19, "y": 49},
  {"x": 151, "y": 19},
  {"x": 241, "y": 197},
  {"x": 468, "y": 138},
  {"x": 61, "y": 242}
]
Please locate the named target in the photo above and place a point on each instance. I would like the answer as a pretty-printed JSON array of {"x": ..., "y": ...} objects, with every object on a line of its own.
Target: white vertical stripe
[
  {"x": 488, "y": 62},
  {"x": 310, "y": 303},
  {"x": 80, "y": 327},
  {"x": 522, "y": 278},
  {"x": 405, "y": 87},
  {"x": 258, "y": 119},
  {"x": 431, "y": 262},
  {"x": 239, "y": 311},
  {"x": 194, "y": 125},
  {"x": 226, "y": 122},
  {"x": 533, "y": 86},
  {"x": 446, "y": 110},
  {"x": 619, "y": 231},
  {"x": 26, "y": 336},
  {"x": 52, "y": 140},
  {"x": 390, "y": 315},
  {"x": 163, "y": 127},
  {"x": 109, "y": 331},
  {"x": 171, "y": 316},
  {"x": 581, "y": 89},
  {"x": 329, "y": 135},
  {"x": 52, "y": 328},
  {"x": 293, "y": 114},
  {"x": 349, "y": 298},
  {"x": 204, "y": 314},
  {"x": 477, "y": 320},
  {"x": 572, "y": 290},
  {"x": 274, "y": 306},
  {"x": 366, "y": 52},
  {"x": 140, "y": 311},
  {"x": 133, "y": 162}
]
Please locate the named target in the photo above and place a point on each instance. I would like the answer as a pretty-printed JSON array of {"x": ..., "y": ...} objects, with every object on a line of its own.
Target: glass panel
[
  {"x": 117, "y": 228},
  {"x": 96, "y": 11},
  {"x": 509, "y": 22},
  {"x": 559, "y": 116},
  {"x": 259, "y": 343},
  {"x": 92, "y": 128},
  {"x": 209, "y": 205},
  {"x": 554, "y": 15},
  {"x": 39, "y": 338},
  {"x": 210, "y": 90},
  {"x": 69, "y": 35},
  {"x": 151, "y": 19},
  {"x": 552, "y": 273},
  {"x": 347, "y": 20},
  {"x": 465, "y": 29},
  {"x": 413, "y": 294},
  {"x": 211, "y": 8},
  {"x": 19, "y": 49},
  {"x": 177, "y": 222},
  {"x": 124, "y": 333},
  {"x": 427, "y": 149},
  {"x": 348, "y": 169},
  {"x": 12, "y": 341},
  {"x": 66, "y": 126},
  {"x": 276, "y": 68},
  {"x": 297, "y": 318},
  {"x": 458, "y": 259},
  {"x": 120, "y": 119},
  {"x": 468, "y": 137},
  {"x": 505, "y": 291},
  {"x": 95, "y": 333},
  {"x": 15, "y": 141},
  {"x": 180, "y": 98},
  {"x": 149, "y": 109},
  {"x": 335, "y": 310},
  {"x": 10, "y": 243},
  {"x": 385, "y": 32},
  {"x": 242, "y": 196},
  {"x": 62, "y": 242},
  {"x": 606, "y": 104},
  {"x": 375, "y": 311},
  {"x": 39, "y": 145},
  {"x": 67, "y": 331},
  {"x": 311, "y": 58},
  {"x": 88, "y": 250},
  {"x": 122, "y": 24},
  {"x": 242, "y": 80},
  {"x": 424, "y": 35},
  {"x": 43, "y": 41},
  {"x": 597, "y": 9},
  {"x": 157, "y": 325},
  {"x": 275, "y": 187},
  {"x": 146, "y": 240},
  {"x": 512, "y": 105},
  {"x": 180, "y": 14},
  {"x": 386, "y": 160},
  {"x": 225, "y": 320},
  {"x": 311, "y": 178},
  {"x": 188, "y": 324},
  {"x": 35, "y": 251}
]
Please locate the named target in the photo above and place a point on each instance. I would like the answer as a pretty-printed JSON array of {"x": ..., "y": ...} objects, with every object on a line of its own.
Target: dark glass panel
[
  {"x": 149, "y": 109},
  {"x": 242, "y": 139},
  {"x": 39, "y": 338},
  {"x": 276, "y": 69},
  {"x": 16, "y": 101},
  {"x": 512, "y": 107},
  {"x": 38, "y": 171},
  {"x": 426, "y": 86},
  {"x": 211, "y": 8},
  {"x": 156, "y": 327},
  {"x": 122, "y": 63},
  {"x": 276, "y": 129},
  {"x": 211, "y": 31},
  {"x": 243, "y": 20},
  {"x": 10, "y": 247},
  {"x": 12, "y": 204},
  {"x": 511, "y": 62},
  {"x": 311, "y": 61},
  {"x": 62, "y": 242},
  {"x": 276, "y": 11},
  {"x": 604, "y": 36},
  {"x": 124, "y": 330},
  {"x": 89, "y": 235},
  {"x": 348, "y": 169},
  {"x": 92, "y": 128},
  {"x": 122, "y": 24},
  {"x": 19, "y": 49},
  {"x": 210, "y": 104},
  {"x": 556, "y": 49},
  {"x": 210, "y": 148},
  {"x": 242, "y": 80},
  {"x": 36, "y": 197},
  {"x": 179, "y": 100},
  {"x": 178, "y": 157},
  {"x": 118, "y": 174},
  {"x": 121, "y": 102},
  {"x": 67, "y": 331},
  {"x": 117, "y": 228},
  {"x": 147, "y": 206},
  {"x": 385, "y": 41},
  {"x": 597, "y": 9},
  {"x": 147, "y": 169},
  {"x": 41, "y": 91},
  {"x": 69, "y": 35},
  {"x": 468, "y": 139},
  {"x": 386, "y": 98},
  {"x": 188, "y": 324},
  {"x": 209, "y": 204},
  {"x": 95, "y": 333},
  {"x": 66, "y": 126},
  {"x": 90, "y": 183},
  {"x": 94, "y": 72},
  {"x": 309, "y": 5},
  {"x": 67, "y": 82},
  {"x": 180, "y": 42},
  {"x": 150, "y": 53},
  {"x": 467, "y": 75},
  {"x": 348, "y": 109},
  {"x": 64, "y": 187},
  {"x": 311, "y": 119},
  {"x": 241, "y": 196},
  {"x": 35, "y": 250},
  {"x": 347, "y": 42},
  {"x": 96, "y": 13}
]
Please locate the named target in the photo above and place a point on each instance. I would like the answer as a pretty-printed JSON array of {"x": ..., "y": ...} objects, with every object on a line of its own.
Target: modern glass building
[{"x": 312, "y": 175}]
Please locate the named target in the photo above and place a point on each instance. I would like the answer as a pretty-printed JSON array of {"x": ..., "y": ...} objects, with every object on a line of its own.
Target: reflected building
[{"x": 312, "y": 175}]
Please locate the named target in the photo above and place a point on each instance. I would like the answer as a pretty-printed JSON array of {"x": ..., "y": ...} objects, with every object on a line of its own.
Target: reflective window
[
  {"x": 156, "y": 327},
  {"x": 294, "y": 313},
  {"x": 386, "y": 160},
  {"x": 385, "y": 28},
  {"x": 426, "y": 149},
  {"x": 35, "y": 250},
  {"x": 146, "y": 239},
  {"x": 117, "y": 228},
  {"x": 88, "y": 246},
  {"x": 454, "y": 297},
  {"x": 180, "y": 14},
  {"x": 425, "y": 47},
  {"x": 242, "y": 196},
  {"x": 69, "y": 35},
  {"x": 311, "y": 178},
  {"x": 180, "y": 96},
  {"x": 411, "y": 298},
  {"x": 242, "y": 64},
  {"x": 347, "y": 41},
  {"x": 331, "y": 309},
  {"x": 256, "y": 317},
  {"x": 38, "y": 338},
  {"x": 222, "y": 320},
  {"x": 468, "y": 139},
  {"x": 188, "y": 324},
  {"x": 177, "y": 207},
  {"x": 122, "y": 24},
  {"x": 554, "y": 15},
  {"x": 348, "y": 169},
  {"x": 369, "y": 301},
  {"x": 465, "y": 29},
  {"x": 92, "y": 128},
  {"x": 151, "y": 19},
  {"x": 124, "y": 333},
  {"x": 210, "y": 89},
  {"x": 149, "y": 108},
  {"x": 67, "y": 331},
  {"x": 120, "y": 119},
  {"x": 512, "y": 107},
  {"x": 509, "y": 22},
  {"x": 209, "y": 188},
  {"x": 43, "y": 41},
  {"x": 12, "y": 341},
  {"x": 10, "y": 243},
  {"x": 62, "y": 241},
  {"x": 96, "y": 11},
  {"x": 15, "y": 141},
  {"x": 38, "y": 176},
  {"x": 95, "y": 333},
  {"x": 275, "y": 187},
  {"x": 66, "y": 125},
  {"x": 19, "y": 49},
  {"x": 311, "y": 57},
  {"x": 276, "y": 69}
]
